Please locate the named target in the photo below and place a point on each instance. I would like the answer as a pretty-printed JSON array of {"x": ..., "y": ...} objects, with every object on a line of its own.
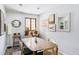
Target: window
[{"x": 30, "y": 23}]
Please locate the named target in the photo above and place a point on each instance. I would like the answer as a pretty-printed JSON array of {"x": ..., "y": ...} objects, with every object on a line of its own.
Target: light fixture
[
  {"x": 20, "y": 4},
  {"x": 38, "y": 8}
]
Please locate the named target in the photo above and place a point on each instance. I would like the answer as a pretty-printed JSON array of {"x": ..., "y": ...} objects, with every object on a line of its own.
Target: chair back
[{"x": 51, "y": 51}]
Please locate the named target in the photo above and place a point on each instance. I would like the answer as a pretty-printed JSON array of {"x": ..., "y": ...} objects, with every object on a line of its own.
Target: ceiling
[{"x": 30, "y": 8}]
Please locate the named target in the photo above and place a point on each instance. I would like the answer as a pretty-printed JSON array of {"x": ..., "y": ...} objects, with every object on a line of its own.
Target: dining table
[{"x": 37, "y": 44}]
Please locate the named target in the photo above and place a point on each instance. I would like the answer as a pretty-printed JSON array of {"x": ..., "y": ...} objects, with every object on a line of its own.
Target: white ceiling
[{"x": 30, "y": 8}]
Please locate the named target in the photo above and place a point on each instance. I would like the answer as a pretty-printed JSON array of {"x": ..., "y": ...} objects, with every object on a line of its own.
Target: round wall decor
[{"x": 16, "y": 23}]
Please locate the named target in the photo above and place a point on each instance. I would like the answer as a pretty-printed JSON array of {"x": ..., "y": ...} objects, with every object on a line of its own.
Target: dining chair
[
  {"x": 21, "y": 45},
  {"x": 16, "y": 38},
  {"x": 51, "y": 51},
  {"x": 24, "y": 49}
]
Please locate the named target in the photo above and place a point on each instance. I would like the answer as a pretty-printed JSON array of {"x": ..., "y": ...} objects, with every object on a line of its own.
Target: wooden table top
[{"x": 36, "y": 44}]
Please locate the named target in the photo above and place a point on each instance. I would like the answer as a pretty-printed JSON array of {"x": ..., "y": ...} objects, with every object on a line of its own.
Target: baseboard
[
  {"x": 60, "y": 53},
  {"x": 5, "y": 50},
  {"x": 12, "y": 46}
]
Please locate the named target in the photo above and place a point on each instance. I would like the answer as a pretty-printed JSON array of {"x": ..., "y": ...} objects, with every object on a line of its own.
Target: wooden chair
[
  {"x": 35, "y": 33},
  {"x": 48, "y": 51},
  {"x": 51, "y": 51},
  {"x": 21, "y": 45},
  {"x": 16, "y": 38}
]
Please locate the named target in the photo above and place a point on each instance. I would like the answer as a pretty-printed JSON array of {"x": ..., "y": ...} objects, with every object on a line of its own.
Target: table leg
[{"x": 34, "y": 52}]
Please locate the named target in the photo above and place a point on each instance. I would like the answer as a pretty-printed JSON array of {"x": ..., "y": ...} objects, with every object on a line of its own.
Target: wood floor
[
  {"x": 13, "y": 51},
  {"x": 17, "y": 51}
]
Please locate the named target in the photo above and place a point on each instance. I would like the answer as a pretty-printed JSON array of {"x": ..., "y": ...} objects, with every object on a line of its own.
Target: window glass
[{"x": 30, "y": 23}]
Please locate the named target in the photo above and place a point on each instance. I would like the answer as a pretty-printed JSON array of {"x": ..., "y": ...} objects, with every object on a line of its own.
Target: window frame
[{"x": 31, "y": 23}]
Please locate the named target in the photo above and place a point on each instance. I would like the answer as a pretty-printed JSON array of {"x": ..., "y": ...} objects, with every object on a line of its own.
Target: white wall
[
  {"x": 68, "y": 42},
  {"x": 12, "y": 15},
  {"x": 2, "y": 8},
  {"x": 2, "y": 44},
  {"x": 3, "y": 16},
  {"x": 3, "y": 36}
]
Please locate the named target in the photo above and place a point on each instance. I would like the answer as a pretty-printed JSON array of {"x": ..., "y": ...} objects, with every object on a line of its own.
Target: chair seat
[{"x": 51, "y": 51}]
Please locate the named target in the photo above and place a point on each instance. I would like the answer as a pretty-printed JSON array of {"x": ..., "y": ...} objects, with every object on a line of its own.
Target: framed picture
[
  {"x": 51, "y": 23},
  {"x": 63, "y": 22}
]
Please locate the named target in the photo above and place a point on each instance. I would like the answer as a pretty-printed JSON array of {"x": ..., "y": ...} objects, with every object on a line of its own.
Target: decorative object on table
[
  {"x": 35, "y": 40},
  {"x": 51, "y": 22},
  {"x": 63, "y": 22},
  {"x": 16, "y": 23}
]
